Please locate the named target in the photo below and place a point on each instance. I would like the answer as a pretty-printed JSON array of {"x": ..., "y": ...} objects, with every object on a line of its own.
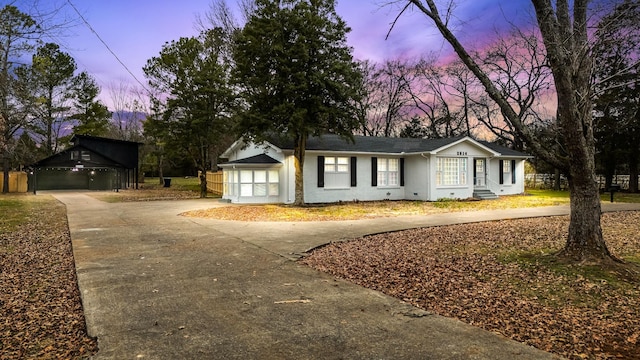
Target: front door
[{"x": 479, "y": 172}]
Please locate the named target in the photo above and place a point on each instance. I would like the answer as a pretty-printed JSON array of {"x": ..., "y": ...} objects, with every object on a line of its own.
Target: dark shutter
[
  {"x": 374, "y": 171},
  {"x": 401, "y": 171},
  {"x": 513, "y": 171},
  {"x": 501, "y": 172},
  {"x": 354, "y": 174},
  {"x": 320, "y": 171},
  {"x": 475, "y": 172}
]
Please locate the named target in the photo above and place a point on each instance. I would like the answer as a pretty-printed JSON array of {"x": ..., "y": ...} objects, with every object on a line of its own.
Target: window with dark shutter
[
  {"x": 320, "y": 171},
  {"x": 401, "y": 171},
  {"x": 501, "y": 172},
  {"x": 513, "y": 171}
]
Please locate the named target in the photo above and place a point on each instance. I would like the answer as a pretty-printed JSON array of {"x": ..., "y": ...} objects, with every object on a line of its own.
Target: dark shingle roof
[
  {"x": 367, "y": 144},
  {"x": 257, "y": 159},
  {"x": 503, "y": 150},
  {"x": 372, "y": 144}
]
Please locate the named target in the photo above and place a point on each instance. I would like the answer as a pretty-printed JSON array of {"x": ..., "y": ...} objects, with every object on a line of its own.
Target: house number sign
[{"x": 462, "y": 153}]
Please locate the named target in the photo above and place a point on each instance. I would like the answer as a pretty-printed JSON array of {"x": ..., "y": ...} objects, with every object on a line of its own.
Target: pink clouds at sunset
[{"x": 136, "y": 30}]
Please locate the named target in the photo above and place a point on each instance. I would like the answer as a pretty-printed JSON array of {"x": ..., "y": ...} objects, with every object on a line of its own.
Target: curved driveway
[{"x": 156, "y": 285}]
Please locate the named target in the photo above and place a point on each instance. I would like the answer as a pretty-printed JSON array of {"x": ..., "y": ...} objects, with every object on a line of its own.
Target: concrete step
[{"x": 484, "y": 194}]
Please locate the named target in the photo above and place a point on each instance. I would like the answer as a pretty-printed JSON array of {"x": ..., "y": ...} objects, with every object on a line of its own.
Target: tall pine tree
[{"x": 297, "y": 75}]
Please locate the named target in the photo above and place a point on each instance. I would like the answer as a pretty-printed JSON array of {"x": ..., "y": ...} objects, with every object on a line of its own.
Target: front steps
[{"x": 484, "y": 194}]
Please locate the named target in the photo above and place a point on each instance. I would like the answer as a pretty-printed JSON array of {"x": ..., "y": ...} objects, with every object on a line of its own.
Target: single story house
[
  {"x": 91, "y": 163},
  {"x": 372, "y": 168}
]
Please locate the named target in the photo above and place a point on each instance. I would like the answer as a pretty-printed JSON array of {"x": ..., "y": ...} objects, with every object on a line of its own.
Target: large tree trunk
[
  {"x": 203, "y": 183},
  {"x": 160, "y": 172},
  {"x": 564, "y": 33},
  {"x": 298, "y": 158},
  {"x": 633, "y": 170},
  {"x": 5, "y": 172},
  {"x": 585, "y": 241}
]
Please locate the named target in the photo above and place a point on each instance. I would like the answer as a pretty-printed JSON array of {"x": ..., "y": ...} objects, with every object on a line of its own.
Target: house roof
[
  {"x": 62, "y": 159},
  {"x": 261, "y": 159},
  {"x": 121, "y": 151},
  {"x": 371, "y": 144},
  {"x": 503, "y": 150}
]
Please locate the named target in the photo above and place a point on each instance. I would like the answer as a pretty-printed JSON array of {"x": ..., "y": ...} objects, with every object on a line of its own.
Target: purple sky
[{"x": 136, "y": 30}]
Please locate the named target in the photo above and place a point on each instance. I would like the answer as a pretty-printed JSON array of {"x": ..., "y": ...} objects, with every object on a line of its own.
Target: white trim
[{"x": 466, "y": 138}]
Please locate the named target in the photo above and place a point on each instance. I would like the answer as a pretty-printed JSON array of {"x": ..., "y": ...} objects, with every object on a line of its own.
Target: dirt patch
[{"x": 500, "y": 276}]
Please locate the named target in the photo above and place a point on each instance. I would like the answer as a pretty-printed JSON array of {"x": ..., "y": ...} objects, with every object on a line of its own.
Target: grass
[
  {"x": 151, "y": 189},
  {"x": 370, "y": 209},
  {"x": 189, "y": 183},
  {"x": 558, "y": 294},
  {"x": 15, "y": 209}
]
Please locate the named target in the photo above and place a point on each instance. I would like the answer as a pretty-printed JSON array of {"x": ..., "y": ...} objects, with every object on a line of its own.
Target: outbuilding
[{"x": 91, "y": 163}]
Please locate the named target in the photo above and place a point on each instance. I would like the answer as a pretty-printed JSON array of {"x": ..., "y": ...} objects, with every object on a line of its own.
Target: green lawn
[
  {"x": 15, "y": 209},
  {"x": 191, "y": 183}
]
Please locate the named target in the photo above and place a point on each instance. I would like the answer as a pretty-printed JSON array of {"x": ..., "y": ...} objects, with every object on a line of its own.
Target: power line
[{"x": 107, "y": 46}]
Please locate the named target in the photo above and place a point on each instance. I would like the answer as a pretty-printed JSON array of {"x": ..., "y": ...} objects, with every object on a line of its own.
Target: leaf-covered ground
[
  {"x": 40, "y": 307},
  {"x": 151, "y": 190},
  {"x": 500, "y": 276}
]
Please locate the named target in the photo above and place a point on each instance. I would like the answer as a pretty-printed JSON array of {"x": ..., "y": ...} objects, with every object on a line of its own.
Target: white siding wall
[
  {"x": 417, "y": 178},
  {"x": 462, "y": 150},
  {"x": 362, "y": 192},
  {"x": 507, "y": 188},
  {"x": 420, "y": 177}
]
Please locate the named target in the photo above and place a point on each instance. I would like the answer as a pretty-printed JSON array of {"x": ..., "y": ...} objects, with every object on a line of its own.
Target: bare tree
[
  {"x": 563, "y": 28},
  {"x": 431, "y": 89},
  {"x": 129, "y": 108},
  {"x": 462, "y": 85},
  {"x": 389, "y": 97},
  {"x": 367, "y": 88}
]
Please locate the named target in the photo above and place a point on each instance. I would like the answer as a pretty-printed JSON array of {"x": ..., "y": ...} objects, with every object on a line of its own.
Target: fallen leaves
[
  {"x": 499, "y": 276},
  {"x": 42, "y": 314},
  {"x": 356, "y": 210}
]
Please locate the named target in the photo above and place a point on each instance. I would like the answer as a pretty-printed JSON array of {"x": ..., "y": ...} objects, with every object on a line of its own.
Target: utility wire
[{"x": 107, "y": 46}]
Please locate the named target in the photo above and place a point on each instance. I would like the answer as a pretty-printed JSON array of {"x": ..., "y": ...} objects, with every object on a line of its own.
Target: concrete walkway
[{"x": 156, "y": 285}]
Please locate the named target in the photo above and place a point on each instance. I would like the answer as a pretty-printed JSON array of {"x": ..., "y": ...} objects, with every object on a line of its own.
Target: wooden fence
[
  {"x": 17, "y": 182},
  {"x": 215, "y": 182}
]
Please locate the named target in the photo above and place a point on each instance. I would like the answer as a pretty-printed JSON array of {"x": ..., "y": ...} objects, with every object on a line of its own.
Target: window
[
  {"x": 388, "y": 171},
  {"x": 336, "y": 164},
  {"x": 260, "y": 183},
  {"x": 86, "y": 156},
  {"x": 452, "y": 171},
  {"x": 336, "y": 172},
  {"x": 75, "y": 155},
  {"x": 251, "y": 183},
  {"x": 246, "y": 183},
  {"x": 230, "y": 182},
  {"x": 274, "y": 180},
  {"x": 506, "y": 166},
  {"x": 507, "y": 172}
]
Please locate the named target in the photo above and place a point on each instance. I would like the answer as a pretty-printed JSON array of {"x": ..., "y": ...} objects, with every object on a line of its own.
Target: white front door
[{"x": 479, "y": 172}]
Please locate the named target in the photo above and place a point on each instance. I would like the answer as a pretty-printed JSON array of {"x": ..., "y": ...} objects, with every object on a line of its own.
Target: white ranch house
[{"x": 372, "y": 168}]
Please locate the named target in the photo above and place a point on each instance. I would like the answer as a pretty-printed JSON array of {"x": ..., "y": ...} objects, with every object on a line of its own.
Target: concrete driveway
[{"x": 156, "y": 285}]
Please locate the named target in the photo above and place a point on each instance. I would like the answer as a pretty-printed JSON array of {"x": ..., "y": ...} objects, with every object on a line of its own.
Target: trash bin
[
  {"x": 167, "y": 182},
  {"x": 613, "y": 189}
]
